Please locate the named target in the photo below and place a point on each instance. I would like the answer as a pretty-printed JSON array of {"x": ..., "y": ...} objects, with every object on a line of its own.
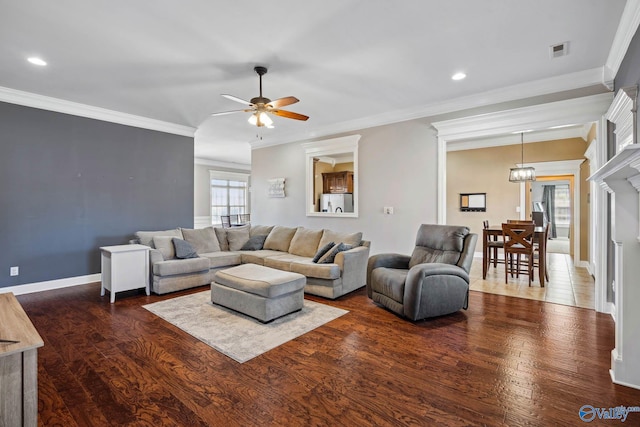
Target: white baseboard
[
  {"x": 583, "y": 264},
  {"x": 626, "y": 384},
  {"x": 52, "y": 284}
]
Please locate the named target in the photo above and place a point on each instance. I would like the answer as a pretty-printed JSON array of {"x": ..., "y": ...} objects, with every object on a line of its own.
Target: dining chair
[
  {"x": 536, "y": 249},
  {"x": 225, "y": 220},
  {"x": 244, "y": 218},
  {"x": 518, "y": 242},
  {"x": 493, "y": 244}
]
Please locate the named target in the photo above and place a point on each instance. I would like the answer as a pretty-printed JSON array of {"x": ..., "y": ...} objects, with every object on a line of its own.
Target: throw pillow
[
  {"x": 202, "y": 239},
  {"x": 323, "y": 250},
  {"x": 330, "y": 256},
  {"x": 255, "y": 243},
  {"x": 259, "y": 230},
  {"x": 146, "y": 237},
  {"x": 279, "y": 238},
  {"x": 353, "y": 239},
  {"x": 165, "y": 245},
  {"x": 305, "y": 242},
  {"x": 222, "y": 238},
  {"x": 238, "y": 236},
  {"x": 184, "y": 249}
]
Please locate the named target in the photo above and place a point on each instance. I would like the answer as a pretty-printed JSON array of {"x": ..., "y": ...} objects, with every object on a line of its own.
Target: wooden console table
[{"x": 19, "y": 342}]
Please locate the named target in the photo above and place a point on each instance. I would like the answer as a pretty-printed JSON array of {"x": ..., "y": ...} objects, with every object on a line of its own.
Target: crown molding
[
  {"x": 42, "y": 102},
  {"x": 513, "y": 139},
  {"x": 547, "y": 86},
  {"x": 221, "y": 164},
  {"x": 542, "y": 116},
  {"x": 629, "y": 22}
]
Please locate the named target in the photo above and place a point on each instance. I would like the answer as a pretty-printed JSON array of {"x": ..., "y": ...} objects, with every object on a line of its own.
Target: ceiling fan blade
[
  {"x": 289, "y": 114},
  {"x": 283, "y": 102},
  {"x": 236, "y": 99},
  {"x": 222, "y": 113}
]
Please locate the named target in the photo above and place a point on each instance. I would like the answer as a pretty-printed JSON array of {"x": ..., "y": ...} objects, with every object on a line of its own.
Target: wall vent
[{"x": 558, "y": 50}]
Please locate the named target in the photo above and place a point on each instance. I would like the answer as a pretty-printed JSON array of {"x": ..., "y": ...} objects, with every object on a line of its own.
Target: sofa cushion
[
  {"x": 255, "y": 243},
  {"x": 330, "y": 256},
  {"x": 318, "y": 271},
  {"x": 222, "y": 259},
  {"x": 180, "y": 266},
  {"x": 283, "y": 262},
  {"x": 323, "y": 250},
  {"x": 258, "y": 257},
  {"x": 184, "y": 249},
  {"x": 352, "y": 239},
  {"x": 279, "y": 238},
  {"x": 237, "y": 237},
  {"x": 165, "y": 245},
  {"x": 305, "y": 242},
  {"x": 202, "y": 239},
  {"x": 222, "y": 238},
  {"x": 257, "y": 230},
  {"x": 146, "y": 237}
]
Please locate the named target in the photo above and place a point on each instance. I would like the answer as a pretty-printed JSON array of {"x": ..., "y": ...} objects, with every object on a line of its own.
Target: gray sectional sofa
[{"x": 284, "y": 248}]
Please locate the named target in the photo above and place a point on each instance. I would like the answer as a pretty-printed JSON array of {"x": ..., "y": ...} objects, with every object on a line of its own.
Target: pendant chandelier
[{"x": 522, "y": 174}]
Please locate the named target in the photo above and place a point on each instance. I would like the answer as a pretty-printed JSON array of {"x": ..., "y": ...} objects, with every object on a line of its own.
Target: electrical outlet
[
  {"x": 388, "y": 210},
  {"x": 14, "y": 271}
]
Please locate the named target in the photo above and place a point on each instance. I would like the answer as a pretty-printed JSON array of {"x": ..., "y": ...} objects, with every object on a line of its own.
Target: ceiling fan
[{"x": 261, "y": 107}]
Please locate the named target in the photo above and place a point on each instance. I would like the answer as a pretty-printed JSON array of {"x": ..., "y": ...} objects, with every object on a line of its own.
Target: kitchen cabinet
[{"x": 337, "y": 182}]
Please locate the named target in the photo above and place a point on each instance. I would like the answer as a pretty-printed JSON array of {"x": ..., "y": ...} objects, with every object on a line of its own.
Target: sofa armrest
[
  {"x": 433, "y": 289},
  {"x": 353, "y": 267},
  {"x": 155, "y": 256}
]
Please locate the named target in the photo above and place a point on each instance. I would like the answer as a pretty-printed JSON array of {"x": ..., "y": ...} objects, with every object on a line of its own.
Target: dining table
[{"x": 539, "y": 233}]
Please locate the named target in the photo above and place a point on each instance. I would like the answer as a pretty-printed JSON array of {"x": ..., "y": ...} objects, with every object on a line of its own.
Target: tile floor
[{"x": 568, "y": 284}]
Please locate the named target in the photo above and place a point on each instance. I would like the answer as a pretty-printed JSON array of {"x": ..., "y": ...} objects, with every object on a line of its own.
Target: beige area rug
[{"x": 238, "y": 336}]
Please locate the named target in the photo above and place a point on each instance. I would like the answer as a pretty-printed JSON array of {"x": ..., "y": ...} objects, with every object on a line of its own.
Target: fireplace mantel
[{"x": 620, "y": 176}]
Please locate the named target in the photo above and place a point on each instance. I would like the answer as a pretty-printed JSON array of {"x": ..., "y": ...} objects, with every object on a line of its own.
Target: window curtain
[{"x": 548, "y": 198}]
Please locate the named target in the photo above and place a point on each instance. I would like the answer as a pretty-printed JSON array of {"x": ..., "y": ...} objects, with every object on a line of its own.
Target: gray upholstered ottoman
[{"x": 257, "y": 291}]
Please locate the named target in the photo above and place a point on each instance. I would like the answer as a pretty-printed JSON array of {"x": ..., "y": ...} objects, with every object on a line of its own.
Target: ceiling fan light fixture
[{"x": 261, "y": 119}]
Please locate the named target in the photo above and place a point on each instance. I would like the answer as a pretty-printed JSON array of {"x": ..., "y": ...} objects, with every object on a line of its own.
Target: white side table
[{"x": 124, "y": 267}]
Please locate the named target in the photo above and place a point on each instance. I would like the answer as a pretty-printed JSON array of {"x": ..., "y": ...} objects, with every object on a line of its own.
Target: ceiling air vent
[{"x": 557, "y": 50}]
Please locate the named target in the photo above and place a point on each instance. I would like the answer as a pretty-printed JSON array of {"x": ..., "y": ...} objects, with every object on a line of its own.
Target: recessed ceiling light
[
  {"x": 37, "y": 61},
  {"x": 458, "y": 76}
]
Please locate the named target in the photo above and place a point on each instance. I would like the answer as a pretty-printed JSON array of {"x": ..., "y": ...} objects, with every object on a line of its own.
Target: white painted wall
[{"x": 397, "y": 167}]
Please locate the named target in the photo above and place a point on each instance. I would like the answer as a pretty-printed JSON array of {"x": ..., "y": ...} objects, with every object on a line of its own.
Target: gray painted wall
[
  {"x": 397, "y": 167},
  {"x": 69, "y": 185}
]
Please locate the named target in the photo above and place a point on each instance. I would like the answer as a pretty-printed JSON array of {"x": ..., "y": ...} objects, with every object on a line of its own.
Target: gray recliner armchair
[{"x": 433, "y": 281}]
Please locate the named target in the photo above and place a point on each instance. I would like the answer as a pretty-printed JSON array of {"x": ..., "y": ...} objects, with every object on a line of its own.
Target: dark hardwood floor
[{"x": 505, "y": 361}]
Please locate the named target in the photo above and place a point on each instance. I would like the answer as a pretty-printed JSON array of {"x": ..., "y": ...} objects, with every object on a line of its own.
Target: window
[
  {"x": 229, "y": 195},
  {"x": 562, "y": 212}
]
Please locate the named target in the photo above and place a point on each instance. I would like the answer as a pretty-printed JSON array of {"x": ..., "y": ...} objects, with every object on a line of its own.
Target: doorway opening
[{"x": 553, "y": 195}]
